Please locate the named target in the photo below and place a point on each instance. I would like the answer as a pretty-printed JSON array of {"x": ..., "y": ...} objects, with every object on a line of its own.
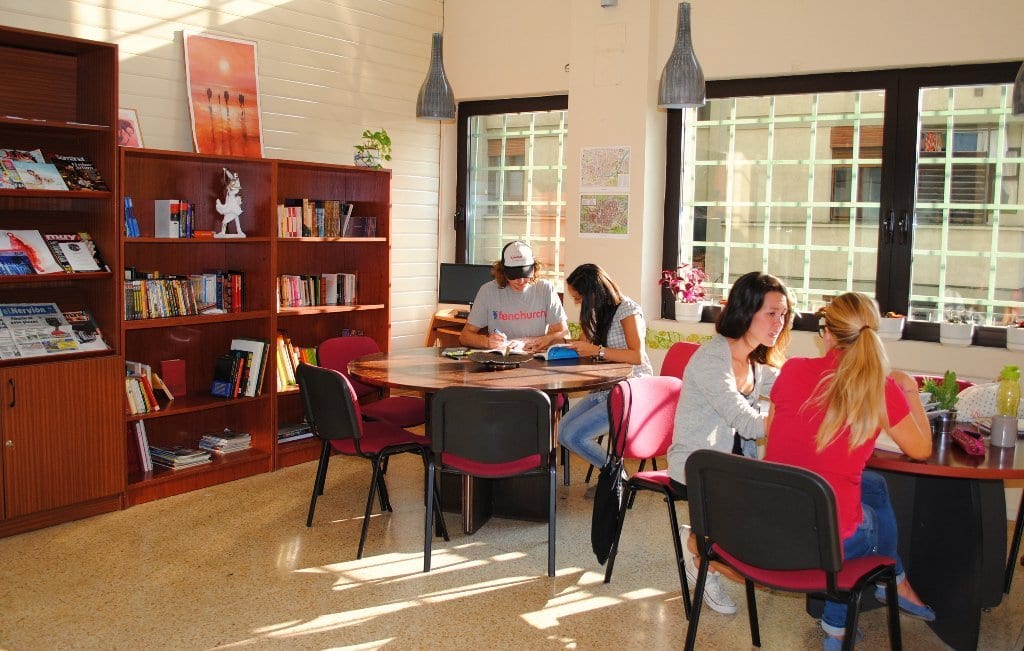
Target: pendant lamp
[
  {"x": 682, "y": 80},
  {"x": 1018, "y": 92},
  {"x": 436, "y": 100}
]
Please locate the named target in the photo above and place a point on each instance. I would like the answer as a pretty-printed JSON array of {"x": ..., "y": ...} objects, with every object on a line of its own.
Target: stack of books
[
  {"x": 287, "y": 433},
  {"x": 178, "y": 456},
  {"x": 225, "y": 441}
]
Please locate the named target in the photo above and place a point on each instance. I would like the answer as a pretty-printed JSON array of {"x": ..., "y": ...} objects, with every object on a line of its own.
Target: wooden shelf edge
[
  {"x": 193, "y": 403},
  {"x": 144, "y": 324},
  {"x": 293, "y": 453},
  {"x": 53, "y": 278},
  {"x": 24, "y": 193},
  {"x": 323, "y": 309},
  {"x": 332, "y": 239},
  {"x": 19, "y": 121},
  {"x": 149, "y": 486},
  {"x": 57, "y": 357},
  {"x": 180, "y": 241}
]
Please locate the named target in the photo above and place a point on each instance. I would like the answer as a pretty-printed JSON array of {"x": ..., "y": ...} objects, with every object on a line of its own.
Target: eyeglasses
[{"x": 821, "y": 329}]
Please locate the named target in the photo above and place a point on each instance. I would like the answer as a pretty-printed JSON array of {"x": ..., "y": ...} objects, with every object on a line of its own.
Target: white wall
[{"x": 327, "y": 71}]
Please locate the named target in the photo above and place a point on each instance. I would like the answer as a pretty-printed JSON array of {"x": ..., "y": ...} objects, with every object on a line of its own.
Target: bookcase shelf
[
  {"x": 40, "y": 279},
  {"x": 262, "y": 257}
]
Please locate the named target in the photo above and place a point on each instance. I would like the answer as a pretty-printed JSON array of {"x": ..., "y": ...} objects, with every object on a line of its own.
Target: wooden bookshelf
[
  {"x": 61, "y": 416},
  {"x": 262, "y": 256}
]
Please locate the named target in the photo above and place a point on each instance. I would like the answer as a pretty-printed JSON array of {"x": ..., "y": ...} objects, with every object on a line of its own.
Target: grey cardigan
[{"x": 711, "y": 407}]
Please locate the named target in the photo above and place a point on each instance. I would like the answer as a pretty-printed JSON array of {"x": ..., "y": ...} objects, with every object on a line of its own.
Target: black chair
[
  {"x": 492, "y": 433},
  {"x": 334, "y": 416},
  {"x": 776, "y": 525}
]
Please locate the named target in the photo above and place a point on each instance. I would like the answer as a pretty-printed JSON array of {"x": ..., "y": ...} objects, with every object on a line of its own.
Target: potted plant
[
  {"x": 1015, "y": 336},
  {"x": 891, "y": 326},
  {"x": 958, "y": 328},
  {"x": 686, "y": 283},
  {"x": 945, "y": 393},
  {"x": 374, "y": 150}
]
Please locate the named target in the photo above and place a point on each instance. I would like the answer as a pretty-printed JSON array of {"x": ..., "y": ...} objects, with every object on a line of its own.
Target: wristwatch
[{"x": 600, "y": 352}]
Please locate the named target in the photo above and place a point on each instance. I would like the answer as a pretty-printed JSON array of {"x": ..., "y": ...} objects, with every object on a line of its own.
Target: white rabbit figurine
[{"x": 231, "y": 207}]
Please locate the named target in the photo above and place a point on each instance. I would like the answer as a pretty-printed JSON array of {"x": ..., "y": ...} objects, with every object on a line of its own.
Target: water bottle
[{"x": 1008, "y": 391}]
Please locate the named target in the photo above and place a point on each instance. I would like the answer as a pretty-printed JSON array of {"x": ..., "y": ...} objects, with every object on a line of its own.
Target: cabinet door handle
[{"x": 10, "y": 381}]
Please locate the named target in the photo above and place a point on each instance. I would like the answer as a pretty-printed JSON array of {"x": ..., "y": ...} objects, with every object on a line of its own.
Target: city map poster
[
  {"x": 604, "y": 191},
  {"x": 223, "y": 95}
]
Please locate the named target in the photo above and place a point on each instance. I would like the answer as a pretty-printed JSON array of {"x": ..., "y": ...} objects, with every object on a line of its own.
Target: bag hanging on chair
[{"x": 608, "y": 494}]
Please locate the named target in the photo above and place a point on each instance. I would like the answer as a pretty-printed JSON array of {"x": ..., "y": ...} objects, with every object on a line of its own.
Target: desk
[
  {"x": 445, "y": 328},
  {"x": 951, "y": 514},
  {"x": 426, "y": 370}
]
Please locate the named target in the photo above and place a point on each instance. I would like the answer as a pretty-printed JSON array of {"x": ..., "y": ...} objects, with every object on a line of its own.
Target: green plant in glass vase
[{"x": 374, "y": 150}]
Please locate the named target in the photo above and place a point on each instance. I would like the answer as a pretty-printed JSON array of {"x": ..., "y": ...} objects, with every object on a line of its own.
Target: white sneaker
[{"x": 715, "y": 595}]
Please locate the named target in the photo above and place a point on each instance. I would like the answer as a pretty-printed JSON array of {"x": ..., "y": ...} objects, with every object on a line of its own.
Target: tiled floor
[{"x": 235, "y": 566}]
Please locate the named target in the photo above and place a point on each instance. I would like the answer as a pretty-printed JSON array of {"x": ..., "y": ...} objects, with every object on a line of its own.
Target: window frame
[
  {"x": 898, "y": 179},
  {"x": 468, "y": 110}
]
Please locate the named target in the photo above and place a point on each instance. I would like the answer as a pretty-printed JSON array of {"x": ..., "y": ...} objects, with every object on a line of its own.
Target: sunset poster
[{"x": 223, "y": 95}]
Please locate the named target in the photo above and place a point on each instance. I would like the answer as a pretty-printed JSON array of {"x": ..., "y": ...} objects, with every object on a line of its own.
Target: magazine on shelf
[
  {"x": 9, "y": 177},
  {"x": 39, "y": 176},
  {"x": 72, "y": 252},
  {"x": 78, "y": 172},
  {"x": 32, "y": 244},
  {"x": 86, "y": 332},
  {"x": 33, "y": 156},
  {"x": 38, "y": 329}
]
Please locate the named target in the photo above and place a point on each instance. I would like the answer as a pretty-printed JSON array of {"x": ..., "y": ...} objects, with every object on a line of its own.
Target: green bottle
[{"x": 1008, "y": 391}]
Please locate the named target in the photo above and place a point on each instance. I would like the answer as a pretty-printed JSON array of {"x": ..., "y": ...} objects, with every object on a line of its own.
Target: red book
[{"x": 172, "y": 371}]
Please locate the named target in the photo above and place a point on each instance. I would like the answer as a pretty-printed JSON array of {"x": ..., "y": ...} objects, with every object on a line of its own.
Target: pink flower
[{"x": 686, "y": 282}]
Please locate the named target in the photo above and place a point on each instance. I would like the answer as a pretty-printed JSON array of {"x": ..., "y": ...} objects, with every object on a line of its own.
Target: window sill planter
[
  {"x": 956, "y": 334},
  {"x": 1015, "y": 338},
  {"x": 891, "y": 328},
  {"x": 689, "y": 312}
]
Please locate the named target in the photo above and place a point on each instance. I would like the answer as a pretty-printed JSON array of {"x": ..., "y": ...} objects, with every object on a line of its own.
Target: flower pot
[
  {"x": 956, "y": 334},
  {"x": 1015, "y": 338},
  {"x": 689, "y": 312},
  {"x": 891, "y": 328},
  {"x": 368, "y": 158}
]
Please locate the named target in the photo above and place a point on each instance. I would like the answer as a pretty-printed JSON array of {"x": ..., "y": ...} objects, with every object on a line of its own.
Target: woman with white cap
[{"x": 516, "y": 308}]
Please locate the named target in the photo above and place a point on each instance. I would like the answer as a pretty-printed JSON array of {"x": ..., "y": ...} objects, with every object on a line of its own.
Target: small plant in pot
[
  {"x": 374, "y": 150},
  {"x": 958, "y": 327},
  {"x": 686, "y": 283},
  {"x": 891, "y": 326},
  {"x": 945, "y": 392}
]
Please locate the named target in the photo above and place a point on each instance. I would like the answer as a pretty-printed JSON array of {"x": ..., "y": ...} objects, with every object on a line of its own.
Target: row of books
[
  {"x": 141, "y": 385},
  {"x": 296, "y": 432},
  {"x": 173, "y": 218},
  {"x": 39, "y": 329},
  {"x": 289, "y": 356},
  {"x": 151, "y": 295},
  {"x": 27, "y": 252},
  {"x": 240, "y": 371},
  {"x": 325, "y": 289},
  {"x": 137, "y": 434},
  {"x": 31, "y": 170},
  {"x": 314, "y": 218}
]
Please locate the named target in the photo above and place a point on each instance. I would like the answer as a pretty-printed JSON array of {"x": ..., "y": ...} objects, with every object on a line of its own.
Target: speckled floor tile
[{"x": 235, "y": 565}]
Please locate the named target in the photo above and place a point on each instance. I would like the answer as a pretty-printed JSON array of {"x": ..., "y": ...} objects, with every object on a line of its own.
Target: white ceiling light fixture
[{"x": 682, "y": 80}]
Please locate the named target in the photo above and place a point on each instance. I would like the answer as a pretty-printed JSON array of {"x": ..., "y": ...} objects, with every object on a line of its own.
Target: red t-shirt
[{"x": 793, "y": 432}]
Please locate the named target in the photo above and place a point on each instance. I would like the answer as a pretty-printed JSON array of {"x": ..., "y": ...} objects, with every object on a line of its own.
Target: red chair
[
  {"x": 492, "y": 433},
  {"x": 776, "y": 525},
  {"x": 403, "y": 411},
  {"x": 643, "y": 412},
  {"x": 333, "y": 413}
]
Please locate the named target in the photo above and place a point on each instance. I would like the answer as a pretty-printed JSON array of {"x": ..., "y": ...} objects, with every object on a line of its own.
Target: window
[
  {"x": 901, "y": 184},
  {"x": 510, "y": 180}
]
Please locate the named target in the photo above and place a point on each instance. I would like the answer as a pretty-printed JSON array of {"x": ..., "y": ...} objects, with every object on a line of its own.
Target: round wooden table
[
  {"x": 427, "y": 370},
  {"x": 951, "y": 514}
]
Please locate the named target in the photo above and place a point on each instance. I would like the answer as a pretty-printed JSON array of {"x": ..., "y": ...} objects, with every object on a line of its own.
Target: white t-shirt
[{"x": 517, "y": 314}]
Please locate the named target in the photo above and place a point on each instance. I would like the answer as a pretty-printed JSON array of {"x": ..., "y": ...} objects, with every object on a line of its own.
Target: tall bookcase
[
  {"x": 262, "y": 256},
  {"x": 61, "y": 416}
]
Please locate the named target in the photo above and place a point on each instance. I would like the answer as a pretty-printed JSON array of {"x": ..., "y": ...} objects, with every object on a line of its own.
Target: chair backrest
[
  {"x": 506, "y": 429},
  {"x": 335, "y": 353},
  {"x": 642, "y": 413},
  {"x": 769, "y": 515},
  {"x": 677, "y": 357},
  {"x": 331, "y": 406}
]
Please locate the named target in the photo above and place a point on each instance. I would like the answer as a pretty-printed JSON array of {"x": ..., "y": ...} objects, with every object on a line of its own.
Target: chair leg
[
  {"x": 893, "y": 607},
  {"x": 553, "y": 482},
  {"x": 382, "y": 491},
  {"x": 853, "y": 613},
  {"x": 684, "y": 585},
  {"x": 654, "y": 463},
  {"x": 619, "y": 521},
  {"x": 428, "y": 518},
  {"x": 698, "y": 600},
  {"x": 1011, "y": 562},
  {"x": 565, "y": 465},
  {"x": 318, "y": 482},
  {"x": 590, "y": 470},
  {"x": 755, "y": 629},
  {"x": 440, "y": 528},
  {"x": 369, "y": 504}
]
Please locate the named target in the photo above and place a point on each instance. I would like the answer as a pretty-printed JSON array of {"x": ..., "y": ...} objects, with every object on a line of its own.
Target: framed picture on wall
[
  {"x": 223, "y": 95},
  {"x": 129, "y": 134}
]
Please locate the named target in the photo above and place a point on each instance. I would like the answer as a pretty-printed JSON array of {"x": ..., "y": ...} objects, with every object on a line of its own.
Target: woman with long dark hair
[{"x": 613, "y": 328}]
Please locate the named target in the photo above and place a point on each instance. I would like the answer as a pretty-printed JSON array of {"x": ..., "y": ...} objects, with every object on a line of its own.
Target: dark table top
[
  {"x": 425, "y": 369},
  {"x": 949, "y": 460}
]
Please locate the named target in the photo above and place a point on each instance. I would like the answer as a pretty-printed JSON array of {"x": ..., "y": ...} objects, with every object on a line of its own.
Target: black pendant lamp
[{"x": 436, "y": 100}]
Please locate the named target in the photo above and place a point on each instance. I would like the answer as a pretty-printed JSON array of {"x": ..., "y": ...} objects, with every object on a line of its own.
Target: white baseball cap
[{"x": 517, "y": 260}]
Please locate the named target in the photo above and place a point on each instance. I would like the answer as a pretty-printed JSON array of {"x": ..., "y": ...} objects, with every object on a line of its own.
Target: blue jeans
[
  {"x": 876, "y": 534},
  {"x": 586, "y": 421}
]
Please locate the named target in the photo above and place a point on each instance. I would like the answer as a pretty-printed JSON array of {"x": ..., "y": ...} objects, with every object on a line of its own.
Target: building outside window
[
  {"x": 511, "y": 180},
  {"x": 809, "y": 178}
]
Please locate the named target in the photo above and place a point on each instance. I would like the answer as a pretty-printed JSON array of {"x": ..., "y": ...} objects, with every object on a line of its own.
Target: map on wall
[{"x": 604, "y": 191}]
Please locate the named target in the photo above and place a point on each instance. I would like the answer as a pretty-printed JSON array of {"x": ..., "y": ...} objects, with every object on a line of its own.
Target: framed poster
[
  {"x": 129, "y": 134},
  {"x": 223, "y": 95}
]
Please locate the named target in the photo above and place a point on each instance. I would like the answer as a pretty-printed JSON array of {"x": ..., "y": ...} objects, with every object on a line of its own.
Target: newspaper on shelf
[{"x": 34, "y": 329}]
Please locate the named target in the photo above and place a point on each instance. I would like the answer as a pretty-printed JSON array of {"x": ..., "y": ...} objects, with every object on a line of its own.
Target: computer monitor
[{"x": 459, "y": 283}]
